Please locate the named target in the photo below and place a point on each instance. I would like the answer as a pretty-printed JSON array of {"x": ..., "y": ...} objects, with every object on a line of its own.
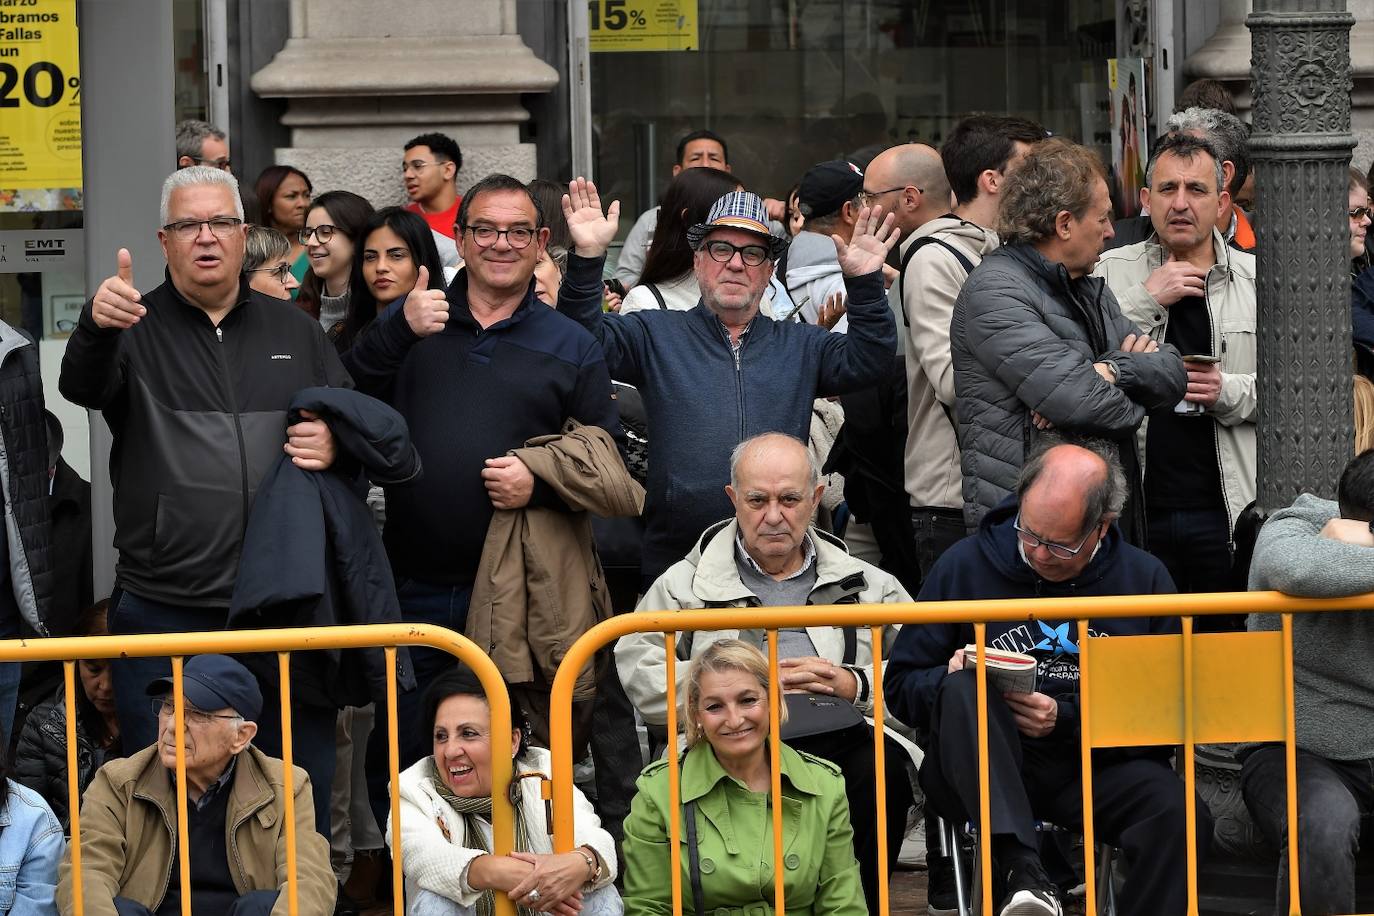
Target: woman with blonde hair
[{"x": 727, "y": 825}]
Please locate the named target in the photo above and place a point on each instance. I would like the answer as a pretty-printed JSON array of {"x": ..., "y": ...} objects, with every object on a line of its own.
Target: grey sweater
[{"x": 1332, "y": 675}]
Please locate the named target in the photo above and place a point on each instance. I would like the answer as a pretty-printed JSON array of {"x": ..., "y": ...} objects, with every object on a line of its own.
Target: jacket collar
[
  {"x": 701, "y": 771},
  {"x": 715, "y": 328},
  {"x": 1053, "y": 273},
  {"x": 245, "y": 295},
  {"x": 249, "y": 794},
  {"x": 461, "y": 319},
  {"x": 1157, "y": 254},
  {"x": 10, "y": 340},
  {"x": 716, "y": 578}
]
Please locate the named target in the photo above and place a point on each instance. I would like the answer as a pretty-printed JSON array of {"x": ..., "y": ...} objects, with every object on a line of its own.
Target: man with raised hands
[
  {"x": 194, "y": 379},
  {"x": 476, "y": 370}
]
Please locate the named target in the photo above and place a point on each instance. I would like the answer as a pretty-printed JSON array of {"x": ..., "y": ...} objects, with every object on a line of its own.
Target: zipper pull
[{"x": 219, "y": 334}]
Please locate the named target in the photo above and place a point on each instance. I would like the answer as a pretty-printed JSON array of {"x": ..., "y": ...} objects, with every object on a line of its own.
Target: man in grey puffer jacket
[
  {"x": 1038, "y": 343},
  {"x": 1321, "y": 549}
]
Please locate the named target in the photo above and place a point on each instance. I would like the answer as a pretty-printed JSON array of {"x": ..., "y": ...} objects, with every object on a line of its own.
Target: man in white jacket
[{"x": 769, "y": 556}]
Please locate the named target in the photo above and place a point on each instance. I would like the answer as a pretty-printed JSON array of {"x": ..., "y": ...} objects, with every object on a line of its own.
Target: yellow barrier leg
[
  {"x": 183, "y": 853},
  {"x": 775, "y": 768},
  {"x": 288, "y": 781},
  {"x": 1086, "y": 750},
  {"x": 984, "y": 800},
  {"x": 394, "y": 767},
  {"x": 1290, "y": 748},
  {"x": 880, "y": 768},
  {"x": 73, "y": 788},
  {"x": 1189, "y": 765},
  {"x": 674, "y": 776}
]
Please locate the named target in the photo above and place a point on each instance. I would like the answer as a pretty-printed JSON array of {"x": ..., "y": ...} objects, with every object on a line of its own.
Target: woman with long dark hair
[
  {"x": 282, "y": 196},
  {"x": 668, "y": 280},
  {"x": 333, "y": 226},
  {"x": 386, "y": 265}
]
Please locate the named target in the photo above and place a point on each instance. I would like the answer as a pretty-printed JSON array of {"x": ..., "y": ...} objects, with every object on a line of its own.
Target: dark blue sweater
[
  {"x": 470, "y": 393},
  {"x": 1362, "y": 308},
  {"x": 987, "y": 565},
  {"x": 701, "y": 400}
]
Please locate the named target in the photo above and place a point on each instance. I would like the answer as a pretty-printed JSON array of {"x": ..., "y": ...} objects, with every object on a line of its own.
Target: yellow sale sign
[
  {"x": 643, "y": 25},
  {"x": 40, "y": 95}
]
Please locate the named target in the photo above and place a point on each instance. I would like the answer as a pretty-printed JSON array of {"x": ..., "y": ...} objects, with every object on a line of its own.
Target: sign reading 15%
[{"x": 643, "y": 25}]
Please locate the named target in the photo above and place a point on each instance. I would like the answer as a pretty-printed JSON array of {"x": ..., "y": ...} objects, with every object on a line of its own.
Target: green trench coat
[{"x": 735, "y": 841}]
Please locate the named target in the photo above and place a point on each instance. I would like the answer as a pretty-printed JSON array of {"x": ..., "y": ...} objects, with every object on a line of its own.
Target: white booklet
[{"x": 1008, "y": 672}]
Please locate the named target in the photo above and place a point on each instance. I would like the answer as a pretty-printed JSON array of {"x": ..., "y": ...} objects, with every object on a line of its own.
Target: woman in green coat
[{"x": 725, "y": 779}]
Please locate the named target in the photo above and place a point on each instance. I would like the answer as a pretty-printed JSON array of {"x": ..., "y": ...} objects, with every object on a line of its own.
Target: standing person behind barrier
[
  {"x": 711, "y": 377},
  {"x": 1038, "y": 343},
  {"x": 1057, "y": 538},
  {"x": 333, "y": 228},
  {"x": 40, "y": 761},
  {"x": 1317, "y": 548},
  {"x": 392, "y": 249},
  {"x": 265, "y": 262},
  {"x": 768, "y": 556},
  {"x": 282, "y": 196},
  {"x": 727, "y": 851},
  {"x": 1361, "y": 276},
  {"x": 194, "y": 379},
  {"x": 1185, "y": 287},
  {"x": 235, "y": 812},
  {"x": 446, "y": 831}
]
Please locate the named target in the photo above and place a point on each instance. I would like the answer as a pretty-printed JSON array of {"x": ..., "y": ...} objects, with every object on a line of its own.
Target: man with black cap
[
  {"x": 829, "y": 198},
  {"x": 235, "y": 814},
  {"x": 720, "y": 373}
]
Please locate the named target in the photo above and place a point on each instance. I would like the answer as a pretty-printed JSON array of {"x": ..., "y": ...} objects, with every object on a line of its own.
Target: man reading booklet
[{"x": 1055, "y": 537}]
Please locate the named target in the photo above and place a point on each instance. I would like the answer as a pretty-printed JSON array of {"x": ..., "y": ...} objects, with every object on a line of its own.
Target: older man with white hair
[{"x": 194, "y": 378}]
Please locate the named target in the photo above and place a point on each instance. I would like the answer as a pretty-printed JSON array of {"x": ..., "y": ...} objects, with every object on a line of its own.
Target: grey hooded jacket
[
  {"x": 1024, "y": 338},
  {"x": 24, "y": 478}
]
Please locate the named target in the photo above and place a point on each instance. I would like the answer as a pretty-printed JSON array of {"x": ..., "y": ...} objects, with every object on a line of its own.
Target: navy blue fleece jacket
[
  {"x": 987, "y": 565},
  {"x": 701, "y": 399}
]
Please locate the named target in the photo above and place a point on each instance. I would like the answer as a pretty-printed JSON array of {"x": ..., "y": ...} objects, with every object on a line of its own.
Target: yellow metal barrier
[
  {"x": 282, "y": 642},
  {"x": 1202, "y": 688}
]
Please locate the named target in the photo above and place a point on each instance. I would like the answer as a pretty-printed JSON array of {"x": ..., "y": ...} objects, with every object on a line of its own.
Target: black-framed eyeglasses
[
  {"x": 1062, "y": 551},
  {"x": 323, "y": 233},
  {"x": 722, "y": 251},
  {"x": 866, "y": 196},
  {"x": 1361, "y": 212},
  {"x": 516, "y": 237},
  {"x": 185, "y": 230},
  {"x": 221, "y": 164},
  {"x": 279, "y": 273},
  {"x": 164, "y": 706},
  {"x": 416, "y": 165}
]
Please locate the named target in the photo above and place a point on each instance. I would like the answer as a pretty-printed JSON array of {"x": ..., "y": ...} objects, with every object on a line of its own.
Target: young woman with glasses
[{"x": 333, "y": 225}]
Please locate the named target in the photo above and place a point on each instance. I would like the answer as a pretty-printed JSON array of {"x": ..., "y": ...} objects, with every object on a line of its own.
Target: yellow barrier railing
[
  {"x": 282, "y": 642},
  {"x": 1213, "y": 698}
]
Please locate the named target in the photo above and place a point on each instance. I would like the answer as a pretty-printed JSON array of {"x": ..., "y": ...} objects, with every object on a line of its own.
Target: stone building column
[
  {"x": 1301, "y": 147},
  {"x": 361, "y": 78}
]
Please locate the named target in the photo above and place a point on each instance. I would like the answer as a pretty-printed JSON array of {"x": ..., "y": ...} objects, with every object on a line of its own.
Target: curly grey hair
[
  {"x": 1056, "y": 175},
  {"x": 1228, "y": 133}
]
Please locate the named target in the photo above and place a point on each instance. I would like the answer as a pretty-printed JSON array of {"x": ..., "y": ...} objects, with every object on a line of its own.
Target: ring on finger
[{"x": 533, "y": 894}]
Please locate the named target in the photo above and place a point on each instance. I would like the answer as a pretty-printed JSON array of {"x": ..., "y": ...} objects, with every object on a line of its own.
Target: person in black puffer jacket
[{"x": 1038, "y": 343}]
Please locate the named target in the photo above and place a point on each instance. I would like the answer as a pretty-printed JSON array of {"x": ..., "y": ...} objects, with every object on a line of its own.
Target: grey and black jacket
[
  {"x": 24, "y": 478},
  {"x": 198, "y": 416},
  {"x": 1024, "y": 338}
]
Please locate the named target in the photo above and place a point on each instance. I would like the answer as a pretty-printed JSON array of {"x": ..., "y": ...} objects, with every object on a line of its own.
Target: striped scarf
[{"x": 475, "y": 812}]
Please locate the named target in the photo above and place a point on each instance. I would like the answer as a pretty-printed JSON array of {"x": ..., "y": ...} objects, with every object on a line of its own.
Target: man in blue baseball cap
[
  {"x": 721, "y": 373},
  {"x": 235, "y": 814}
]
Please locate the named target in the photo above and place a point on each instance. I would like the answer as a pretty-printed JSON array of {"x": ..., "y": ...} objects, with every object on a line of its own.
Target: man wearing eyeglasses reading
[
  {"x": 1055, "y": 536},
  {"x": 194, "y": 378}
]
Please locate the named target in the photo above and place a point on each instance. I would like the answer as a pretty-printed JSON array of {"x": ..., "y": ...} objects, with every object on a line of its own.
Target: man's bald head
[
  {"x": 776, "y": 450},
  {"x": 774, "y": 486},
  {"x": 1068, "y": 495},
  {"x": 913, "y": 176},
  {"x": 1066, "y": 477}
]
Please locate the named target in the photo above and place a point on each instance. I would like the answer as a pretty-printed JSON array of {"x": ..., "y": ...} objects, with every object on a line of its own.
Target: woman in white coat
[{"x": 446, "y": 821}]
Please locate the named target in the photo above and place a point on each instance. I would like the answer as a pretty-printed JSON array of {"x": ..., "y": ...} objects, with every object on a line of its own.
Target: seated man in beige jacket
[{"x": 235, "y": 812}]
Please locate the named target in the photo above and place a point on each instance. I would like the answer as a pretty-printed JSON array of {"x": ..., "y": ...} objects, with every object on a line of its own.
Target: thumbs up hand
[
  {"x": 116, "y": 303},
  {"x": 426, "y": 309}
]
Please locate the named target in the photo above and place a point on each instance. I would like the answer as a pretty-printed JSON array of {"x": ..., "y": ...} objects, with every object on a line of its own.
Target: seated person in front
[
  {"x": 446, "y": 820},
  {"x": 31, "y": 842},
  {"x": 235, "y": 812},
  {"x": 726, "y": 791},
  {"x": 1055, "y": 538},
  {"x": 769, "y": 555},
  {"x": 1317, "y": 548}
]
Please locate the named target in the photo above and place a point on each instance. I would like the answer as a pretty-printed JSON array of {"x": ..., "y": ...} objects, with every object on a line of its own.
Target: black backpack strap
[
  {"x": 689, "y": 822},
  {"x": 910, "y": 253},
  {"x": 653, "y": 289}
]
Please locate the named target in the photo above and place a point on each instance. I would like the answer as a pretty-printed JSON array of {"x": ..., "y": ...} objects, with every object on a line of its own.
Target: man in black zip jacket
[
  {"x": 1058, "y": 537},
  {"x": 194, "y": 379}
]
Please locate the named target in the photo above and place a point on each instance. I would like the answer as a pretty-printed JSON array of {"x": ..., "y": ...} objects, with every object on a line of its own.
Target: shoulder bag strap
[{"x": 689, "y": 821}]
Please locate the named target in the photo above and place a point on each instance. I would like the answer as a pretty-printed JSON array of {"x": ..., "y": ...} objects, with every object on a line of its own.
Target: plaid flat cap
[{"x": 741, "y": 210}]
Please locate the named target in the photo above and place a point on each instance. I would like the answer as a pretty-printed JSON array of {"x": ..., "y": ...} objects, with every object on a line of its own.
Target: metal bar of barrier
[
  {"x": 1189, "y": 765},
  {"x": 393, "y": 764},
  {"x": 880, "y": 767},
  {"x": 1290, "y": 749},
  {"x": 775, "y": 768},
  {"x": 183, "y": 831},
  {"x": 288, "y": 780},
  {"x": 177, "y": 646},
  {"x": 984, "y": 777},
  {"x": 73, "y": 784},
  {"x": 674, "y": 776},
  {"x": 1085, "y": 750}
]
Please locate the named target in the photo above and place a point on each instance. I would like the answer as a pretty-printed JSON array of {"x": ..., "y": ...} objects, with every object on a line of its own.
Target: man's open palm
[
  {"x": 867, "y": 249},
  {"x": 592, "y": 231}
]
